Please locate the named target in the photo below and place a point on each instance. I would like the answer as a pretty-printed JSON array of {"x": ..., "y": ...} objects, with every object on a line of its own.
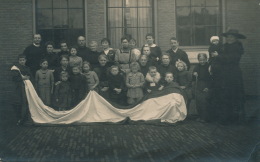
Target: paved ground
[{"x": 130, "y": 141}]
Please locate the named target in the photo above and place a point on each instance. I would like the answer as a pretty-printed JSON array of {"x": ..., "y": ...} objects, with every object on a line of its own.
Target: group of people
[{"x": 125, "y": 75}]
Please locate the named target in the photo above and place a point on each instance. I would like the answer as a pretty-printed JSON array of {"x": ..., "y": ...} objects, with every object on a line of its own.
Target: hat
[
  {"x": 234, "y": 32},
  {"x": 214, "y": 38}
]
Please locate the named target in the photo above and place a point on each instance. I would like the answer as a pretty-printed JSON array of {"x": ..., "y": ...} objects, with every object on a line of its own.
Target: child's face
[
  {"x": 114, "y": 71},
  {"x": 86, "y": 68},
  {"x": 202, "y": 60},
  {"x": 132, "y": 44},
  {"x": 73, "y": 51},
  {"x": 180, "y": 67},
  {"x": 215, "y": 41},
  {"x": 143, "y": 61},
  {"x": 75, "y": 70},
  {"x": 146, "y": 51},
  {"x": 165, "y": 60},
  {"x": 169, "y": 78},
  {"x": 149, "y": 40},
  {"x": 174, "y": 44},
  {"x": 44, "y": 65},
  {"x": 22, "y": 61},
  {"x": 64, "y": 78},
  {"x": 64, "y": 62},
  {"x": 49, "y": 48},
  {"x": 64, "y": 47},
  {"x": 102, "y": 61},
  {"x": 152, "y": 72},
  {"x": 134, "y": 69},
  {"x": 125, "y": 43},
  {"x": 93, "y": 47},
  {"x": 105, "y": 44}
]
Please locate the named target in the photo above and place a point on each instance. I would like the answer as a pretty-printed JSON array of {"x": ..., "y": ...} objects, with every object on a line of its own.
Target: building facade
[{"x": 191, "y": 21}]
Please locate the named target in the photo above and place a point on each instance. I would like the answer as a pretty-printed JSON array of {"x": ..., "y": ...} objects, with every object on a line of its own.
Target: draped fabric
[{"x": 94, "y": 108}]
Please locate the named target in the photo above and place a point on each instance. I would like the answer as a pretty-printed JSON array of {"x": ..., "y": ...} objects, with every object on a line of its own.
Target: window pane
[
  {"x": 141, "y": 35},
  {"x": 115, "y": 17},
  {"x": 132, "y": 32},
  {"x": 212, "y": 3},
  {"x": 60, "y": 4},
  {"x": 200, "y": 14},
  {"x": 198, "y": 3},
  {"x": 47, "y": 34},
  {"x": 44, "y": 18},
  {"x": 75, "y": 18},
  {"x": 60, "y": 19},
  {"x": 75, "y": 4},
  {"x": 183, "y": 16},
  {"x": 115, "y": 3},
  {"x": 145, "y": 3},
  {"x": 130, "y": 17},
  {"x": 184, "y": 36},
  {"x": 73, "y": 35},
  {"x": 115, "y": 35},
  {"x": 60, "y": 34},
  {"x": 212, "y": 15},
  {"x": 182, "y": 2},
  {"x": 145, "y": 17},
  {"x": 44, "y": 3},
  {"x": 200, "y": 36},
  {"x": 130, "y": 3}
]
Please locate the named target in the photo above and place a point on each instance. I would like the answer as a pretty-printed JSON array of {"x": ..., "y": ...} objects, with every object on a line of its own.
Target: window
[
  {"x": 129, "y": 17},
  {"x": 197, "y": 21},
  {"x": 58, "y": 20}
]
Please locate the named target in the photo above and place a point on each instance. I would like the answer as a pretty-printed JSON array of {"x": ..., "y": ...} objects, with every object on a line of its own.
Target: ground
[{"x": 131, "y": 141}]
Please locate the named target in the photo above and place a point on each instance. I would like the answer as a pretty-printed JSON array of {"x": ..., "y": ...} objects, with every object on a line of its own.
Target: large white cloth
[{"x": 94, "y": 108}]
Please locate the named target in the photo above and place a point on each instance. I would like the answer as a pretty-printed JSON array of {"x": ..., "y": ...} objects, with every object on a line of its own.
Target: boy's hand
[
  {"x": 182, "y": 87},
  {"x": 161, "y": 88},
  {"x": 58, "y": 82},
  {"x": 195, "y": 74},
  {"x": 149, "y": 91},
  {"x": 25, "y": 77},
  {"x": 214, "y": 54},
  {"x": 104, "y": 89},
  {"x": 205, "y": 90}
]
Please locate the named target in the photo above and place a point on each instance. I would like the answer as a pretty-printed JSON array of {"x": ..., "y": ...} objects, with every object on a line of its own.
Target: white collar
[
  {"x": 175, "y": 50},
  {"x": 36, "y": 45},
  {"x": 153, "y": 45}
]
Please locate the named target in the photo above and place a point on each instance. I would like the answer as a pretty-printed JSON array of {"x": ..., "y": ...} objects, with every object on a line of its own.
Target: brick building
[{"x": 192, "y": 21}]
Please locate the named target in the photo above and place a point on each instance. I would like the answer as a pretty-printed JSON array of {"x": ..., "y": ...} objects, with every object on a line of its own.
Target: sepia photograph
[{"x": 130, "y": 81}]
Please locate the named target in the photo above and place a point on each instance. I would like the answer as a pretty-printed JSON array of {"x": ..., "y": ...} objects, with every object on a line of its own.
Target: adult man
[
  {"x": 34, "y": 53},
  {"x": 83, "y": 51},
  {"x": 177, "y": 54}
]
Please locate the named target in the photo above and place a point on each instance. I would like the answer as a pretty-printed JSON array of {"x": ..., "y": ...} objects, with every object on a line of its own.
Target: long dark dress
[
  {"x": 62, "y": 95},
  {"x": 229, "y": 92}
]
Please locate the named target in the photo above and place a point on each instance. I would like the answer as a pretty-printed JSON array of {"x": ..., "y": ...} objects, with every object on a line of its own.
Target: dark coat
[{"x": 179, "y": 55}]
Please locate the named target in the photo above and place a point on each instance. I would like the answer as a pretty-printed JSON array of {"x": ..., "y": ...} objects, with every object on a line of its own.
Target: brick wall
[
  {"x": 15, "y": 35},
  {"x": 244, "y": 16}
]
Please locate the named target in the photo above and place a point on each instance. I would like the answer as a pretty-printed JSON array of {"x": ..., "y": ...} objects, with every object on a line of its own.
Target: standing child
[
  {"x": 116, "y": 85},
  {"x": 64, "y": 66},
  {"x": 153, "y": 80},
  {"x": 62, "y": 92},
  {"x": 78, "y": 86},
  {"x": 184, "y": 79},
  {"x": 20, "y": 72},
  {"x": 74, "y": 60},
  {"x": 109, "y": 52},
  {"x": 202, "y": 76},
  {"x": 44, "y": 82},
  {"x": 134, "y": 83},
  {"x": 91, "y": 76}
]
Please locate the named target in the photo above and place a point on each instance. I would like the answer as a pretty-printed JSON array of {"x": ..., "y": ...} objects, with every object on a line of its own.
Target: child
[
  {"x": 62, "y": 92},
  {"x": 116, "y": 85},
  {"x": 153, "y": 80},
  {"x": 19, "y": 100},
  {"x": 44, "y": 82},
  {"x": 78, "y": 86},
  {"x": 51, "y": 56},
  {"x": 144, "y": 64},
  {"x": 215, "y": 48},
  {"x": 134, "y": 83},
  {"x": 169, "y": 80},
  {"x": 202, "y": 78},
  {"x": 63, "y": 49},
  {"x": 147, "y": 51},
  {"x": 64, "y": 62},
  {"x": 74, "y": 60},
  {"x": 102, "y": 73},
  {"x": 109, "y": 52},
  {"x": 135, "y": 51},
  {"x": 91, "y": 76},
  {"x": 184, "y": 80}
]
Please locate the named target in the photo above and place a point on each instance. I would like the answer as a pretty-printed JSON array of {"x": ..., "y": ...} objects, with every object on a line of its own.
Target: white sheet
[{"x": 94, "y": 108}]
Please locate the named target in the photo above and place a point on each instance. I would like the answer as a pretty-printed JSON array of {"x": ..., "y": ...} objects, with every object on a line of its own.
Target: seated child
[
  {"x": 152, "y": 80},
  {"x": 62, "y": 92},
  {"x": 169, "y": 80},
  {"x": 134, "y": 83},
  {"x": 19, "y": 101},
  {"x": 79, "y": 87},
  {"x": 116, "y": 85},
  {"x": 91, "y": 76}
]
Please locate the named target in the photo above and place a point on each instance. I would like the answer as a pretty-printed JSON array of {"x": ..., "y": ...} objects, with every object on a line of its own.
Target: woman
[{"x": 227, "y": 81}]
